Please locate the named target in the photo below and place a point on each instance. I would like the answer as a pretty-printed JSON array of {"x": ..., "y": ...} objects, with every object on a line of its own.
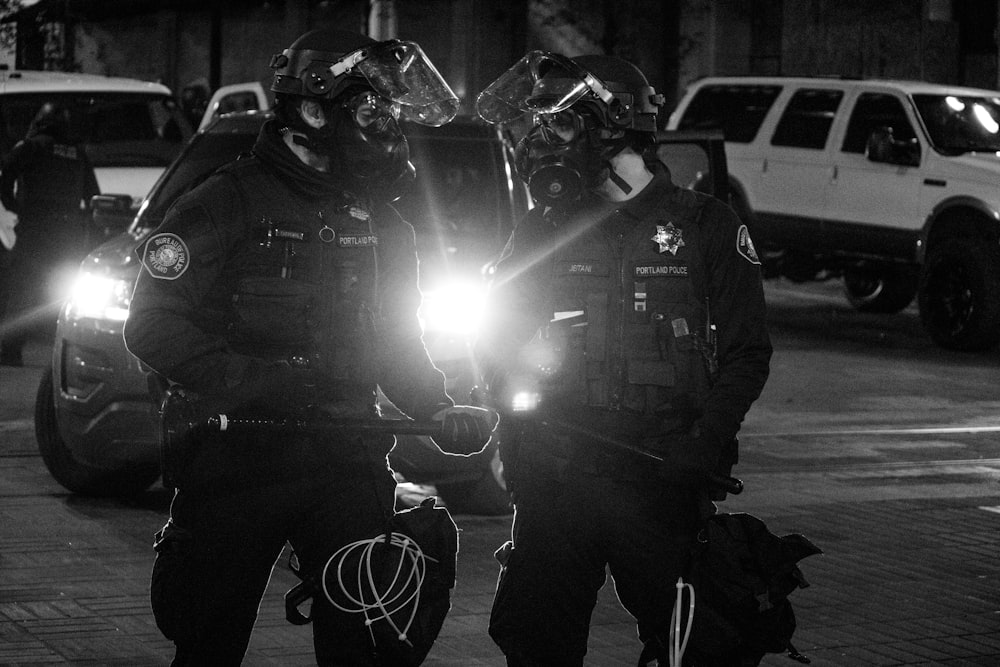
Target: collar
[
  {"x": 652, "y": 198},
  {"x": 271, "y": 149}
]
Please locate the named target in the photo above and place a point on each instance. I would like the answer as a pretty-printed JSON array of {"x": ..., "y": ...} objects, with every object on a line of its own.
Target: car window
[
  {"x": 807, "y": 119},
  {"x": 738, "y": 110},
  {"x": 206, "y": 153},
  {"x": 117, "y": 129},
  {"x": 961, "y": 123},
  {"x": 455, "y": 202},
  {"x": 688, "y": 163},
  {"x": 876, "y": 110}
]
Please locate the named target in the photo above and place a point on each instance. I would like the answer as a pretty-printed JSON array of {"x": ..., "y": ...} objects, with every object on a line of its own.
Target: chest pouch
[
  {"x": 665, "y": 365},
  {"x": 346, "y": 330}
]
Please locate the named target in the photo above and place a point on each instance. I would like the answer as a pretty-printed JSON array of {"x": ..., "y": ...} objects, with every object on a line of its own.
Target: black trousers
[
  {"x": 230, "y": 523},
  {"x": 567, "y": 532}
]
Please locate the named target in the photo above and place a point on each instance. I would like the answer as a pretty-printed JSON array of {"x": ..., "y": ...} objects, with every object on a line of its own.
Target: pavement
[{"x": 909, "y": 575}]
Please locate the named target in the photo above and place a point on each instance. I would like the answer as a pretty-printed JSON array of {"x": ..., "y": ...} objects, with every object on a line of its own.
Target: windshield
[
  {"x": 961, "y": 123},
  {"x": 117, "y": 129}
]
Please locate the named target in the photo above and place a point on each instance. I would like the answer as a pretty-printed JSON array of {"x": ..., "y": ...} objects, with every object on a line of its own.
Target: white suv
[{"x": 893, "y": 185}]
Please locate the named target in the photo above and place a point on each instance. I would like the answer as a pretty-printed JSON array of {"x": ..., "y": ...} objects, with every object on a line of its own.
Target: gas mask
[
  {"x": 363, "y": 139},
  {"x": 562, "y": 156},
  {"x": 581, "y": 108}
]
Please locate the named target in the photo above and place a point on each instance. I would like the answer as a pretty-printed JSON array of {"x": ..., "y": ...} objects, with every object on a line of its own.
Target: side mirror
[
  {"x": 110, "y": 214},
  {"x": 883, "y": 147}
]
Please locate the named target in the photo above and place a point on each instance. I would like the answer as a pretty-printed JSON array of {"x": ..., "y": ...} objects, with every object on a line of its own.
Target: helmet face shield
[
  {"x": 396, "y": 70},
  {"x": 540, "y": 82},
  {"x": 399, "y": 71}
]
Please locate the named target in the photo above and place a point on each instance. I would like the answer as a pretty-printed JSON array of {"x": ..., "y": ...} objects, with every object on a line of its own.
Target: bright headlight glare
[
  {"x": 455, "y": 308},
  {"x": 524, "y": 401},
  {"x": 99, "y": 297}
]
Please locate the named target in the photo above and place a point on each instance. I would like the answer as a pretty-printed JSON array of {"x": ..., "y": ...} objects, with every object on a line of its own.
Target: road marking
[
  {"x": 935, "y": 430},
  {"x": 12, "y": 425},
  {"x": 995, "y": 509}
]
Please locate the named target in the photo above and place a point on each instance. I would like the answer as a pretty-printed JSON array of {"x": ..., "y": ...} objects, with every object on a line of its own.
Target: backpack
[{"x": 742, "y": 575}]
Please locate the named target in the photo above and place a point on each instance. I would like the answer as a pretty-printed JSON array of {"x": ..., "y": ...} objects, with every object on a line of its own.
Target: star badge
[{"x": 668, "y": 238}]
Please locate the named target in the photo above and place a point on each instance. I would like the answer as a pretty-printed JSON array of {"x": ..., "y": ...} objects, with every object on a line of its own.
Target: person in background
[
  {"x": 46, "y": 180},
  {"x": 631, "y": 312}
]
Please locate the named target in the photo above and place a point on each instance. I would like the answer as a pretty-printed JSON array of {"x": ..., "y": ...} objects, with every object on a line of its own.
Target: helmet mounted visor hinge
[{"x": 348, "y": 62}]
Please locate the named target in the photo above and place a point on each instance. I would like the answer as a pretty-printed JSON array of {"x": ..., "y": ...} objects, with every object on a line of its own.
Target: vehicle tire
[
  {"x": 959, "y": 295},
  {"x": 75, "y": 476},
  {"x": 486, "y": 496},
  {"x": 880, "y": 288}
]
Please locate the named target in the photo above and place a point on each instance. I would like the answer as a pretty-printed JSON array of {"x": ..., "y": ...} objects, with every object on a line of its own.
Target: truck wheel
[
  {"x": 959, "y": 295},
  {"x": 66, "y": 469},
  {"x": 880, "y": 289},
  {"x": 485, "y": 496}
]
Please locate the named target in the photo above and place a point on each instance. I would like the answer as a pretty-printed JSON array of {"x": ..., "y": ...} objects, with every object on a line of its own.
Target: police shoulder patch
[
  {"x": 165, "y": 256},
  {"x": 744, "y": 246}
]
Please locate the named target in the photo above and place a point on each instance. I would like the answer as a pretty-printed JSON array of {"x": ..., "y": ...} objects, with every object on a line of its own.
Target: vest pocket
[{"x": 272, "y": 311}]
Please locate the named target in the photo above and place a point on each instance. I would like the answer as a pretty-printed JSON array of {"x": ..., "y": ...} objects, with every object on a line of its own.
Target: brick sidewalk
[{"x": 910, "y": 573}]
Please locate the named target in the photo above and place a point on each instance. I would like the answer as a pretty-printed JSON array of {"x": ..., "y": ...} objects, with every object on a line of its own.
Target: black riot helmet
[
  {"x": 547, "y": 83},
  {"x": 53, "y": 120},
  {"x": 364, "y": 88},
  {"x": 585, "y": 110},
  {"x": 325, "y": 63}
]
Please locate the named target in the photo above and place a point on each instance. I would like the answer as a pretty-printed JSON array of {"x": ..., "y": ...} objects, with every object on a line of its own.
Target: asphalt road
[{"x": 865, "y": 435}]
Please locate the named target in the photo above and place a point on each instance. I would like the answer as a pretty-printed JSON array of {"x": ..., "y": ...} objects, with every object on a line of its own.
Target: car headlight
[
  {"x": 99, "y": 297},
  {"x": 454, "y": 308}
]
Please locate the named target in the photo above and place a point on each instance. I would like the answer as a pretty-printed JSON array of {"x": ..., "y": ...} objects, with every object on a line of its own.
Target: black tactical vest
[
  {"x": 631, "y": 326},
  {"x": 304, "y": 281}
]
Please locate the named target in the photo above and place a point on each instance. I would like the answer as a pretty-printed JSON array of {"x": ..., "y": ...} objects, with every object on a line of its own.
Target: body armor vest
[
  {"x": 631, "y": 329},
  {"x": 304, "y": 282}
]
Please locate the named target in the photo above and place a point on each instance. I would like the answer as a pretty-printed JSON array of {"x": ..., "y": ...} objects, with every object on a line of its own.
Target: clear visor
[
  {"x": 541, "y": 83},
  {"x": 399, "y": 71}
]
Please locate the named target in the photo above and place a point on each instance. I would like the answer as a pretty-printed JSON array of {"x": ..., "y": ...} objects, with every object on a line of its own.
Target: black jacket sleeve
[
  {"x": 736, "y": 296},
  {"x": 168, "y": 327}
]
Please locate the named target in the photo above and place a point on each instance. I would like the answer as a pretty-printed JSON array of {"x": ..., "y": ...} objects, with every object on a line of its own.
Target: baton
[
  {"x": 223, "y": 423},
  {"x": 731, "y": 485}
]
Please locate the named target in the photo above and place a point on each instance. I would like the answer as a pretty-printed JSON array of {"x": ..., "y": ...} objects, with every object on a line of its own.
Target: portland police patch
[
  {"x": 165, "y": 256},
  {"x": 744, "y": 245}
]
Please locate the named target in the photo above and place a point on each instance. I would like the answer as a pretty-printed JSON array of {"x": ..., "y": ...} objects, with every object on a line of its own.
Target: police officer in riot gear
[
  {"x": 286, "y": 285},
  {"x": 632, "y": 311}
]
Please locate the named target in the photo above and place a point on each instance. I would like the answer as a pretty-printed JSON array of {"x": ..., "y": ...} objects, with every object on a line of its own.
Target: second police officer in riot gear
[
  {"x": 285, "y": 283},
  {"x": 631, "y": 313}
]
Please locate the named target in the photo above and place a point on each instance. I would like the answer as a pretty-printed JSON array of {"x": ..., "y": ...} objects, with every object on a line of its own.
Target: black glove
[
  {"x": 465, "y": 429},
  {"x": 690, "y": 458}
]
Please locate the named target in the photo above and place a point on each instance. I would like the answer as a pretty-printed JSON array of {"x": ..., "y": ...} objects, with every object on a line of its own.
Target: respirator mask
[
  {"x": 581, "y": 108},
  {"x": 362, "y": 137},
  {"x": 562, "y": 156}
]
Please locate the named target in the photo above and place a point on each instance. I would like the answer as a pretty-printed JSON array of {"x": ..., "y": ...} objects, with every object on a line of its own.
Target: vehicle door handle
[{"x": 763, "y": 166}]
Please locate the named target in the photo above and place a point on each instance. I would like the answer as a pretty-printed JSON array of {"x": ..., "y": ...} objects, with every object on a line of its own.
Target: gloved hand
[
  {"x": 465, "y": 429},
  {"x": 690, "y": 458}
]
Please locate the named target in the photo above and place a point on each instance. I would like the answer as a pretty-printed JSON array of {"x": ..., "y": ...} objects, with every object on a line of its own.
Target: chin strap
[{"x": 618, "y": 180}]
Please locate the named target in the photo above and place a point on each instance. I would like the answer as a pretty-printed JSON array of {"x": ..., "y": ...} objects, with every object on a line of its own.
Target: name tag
[
  {"x": 583, "y": 268},
  {"x": 662, "y": 271},
  {"x": 357, "y": 240}
]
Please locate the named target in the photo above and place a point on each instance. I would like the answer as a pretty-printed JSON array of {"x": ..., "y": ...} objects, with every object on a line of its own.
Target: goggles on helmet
[
  {"x": 396, "y": 70},
  {"x": 561, "y": 127},
  {"x": 540, "y": 82},
  {"x": 371, "y": 112}
]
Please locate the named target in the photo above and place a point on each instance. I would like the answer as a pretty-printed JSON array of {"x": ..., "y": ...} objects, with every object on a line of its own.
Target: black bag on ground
[
  {"x": 742, "y": 575},
  {"x": 435, "y": 532}
]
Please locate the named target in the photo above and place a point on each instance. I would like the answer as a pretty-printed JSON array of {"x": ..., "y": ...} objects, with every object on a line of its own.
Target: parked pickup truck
[{"x": 893, "y": 186}]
